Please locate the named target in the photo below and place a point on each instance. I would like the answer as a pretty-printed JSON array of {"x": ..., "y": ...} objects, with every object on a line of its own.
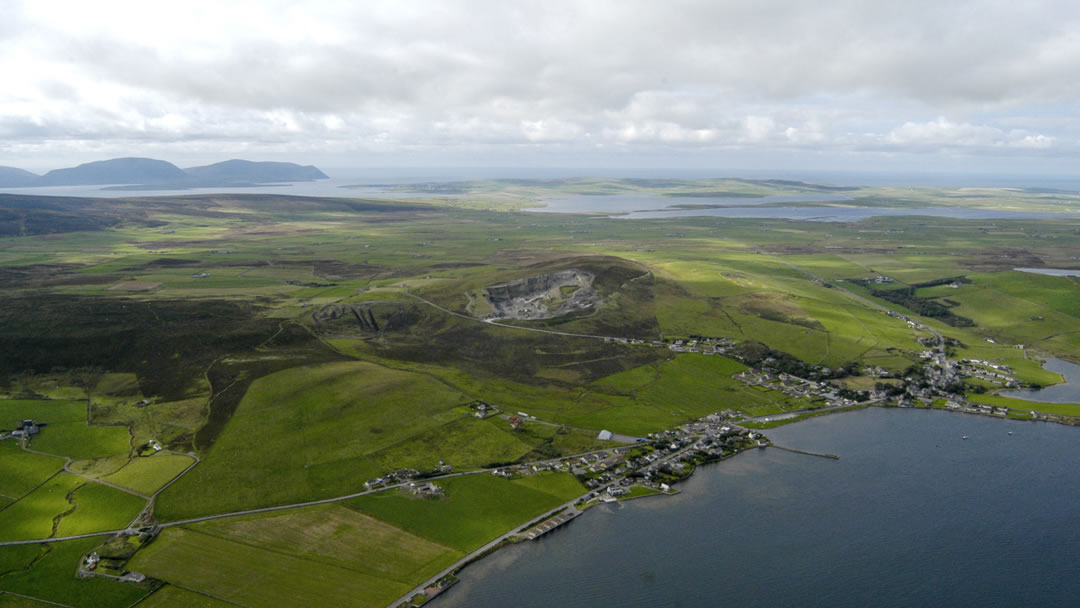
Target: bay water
[{"x": 912, "y": 514}]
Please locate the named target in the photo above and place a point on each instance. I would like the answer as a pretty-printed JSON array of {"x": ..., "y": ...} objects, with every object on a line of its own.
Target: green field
[
  {"x": 175, "y": 597},
  {"x": 66, "y": 432},
  {"x": 311, "y": 433},
  {"x": 1063, "y": 409},
  {"x": 477, "y": 508},
  {"x": 21, "y": 471},
  {"x": 99, "y": 508},
  {"x": 146, "y": 475},
  {"x": 13, "y": 601},
  {"x": 52, "y": 577},
  {"x": 692, "y": 386},
  {"x": 260, "y": 578},
  {"x": 84, "y": 506},
  {"x": 32, "y": 516}
]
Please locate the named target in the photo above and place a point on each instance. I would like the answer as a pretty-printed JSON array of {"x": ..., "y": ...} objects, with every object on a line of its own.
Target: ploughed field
[{"x": 196, "y": 356}]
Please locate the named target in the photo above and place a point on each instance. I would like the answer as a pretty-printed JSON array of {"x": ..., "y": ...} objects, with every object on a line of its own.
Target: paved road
[
  {"x": 67, "y": 469},
  {"x": 940, "y": 338},
  {"x": 311, "y": 503},
  {"x": 615, "y": 437},
  {"x": 786, "y": 415}
]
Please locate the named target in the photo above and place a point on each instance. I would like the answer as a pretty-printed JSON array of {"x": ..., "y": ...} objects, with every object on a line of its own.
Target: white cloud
[
  {"x": 942, "y": 133},
  {"x": 764, "y": 75}
]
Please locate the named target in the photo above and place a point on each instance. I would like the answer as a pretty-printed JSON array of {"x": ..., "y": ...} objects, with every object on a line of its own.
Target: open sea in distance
[{"x": 911, "y": 514}]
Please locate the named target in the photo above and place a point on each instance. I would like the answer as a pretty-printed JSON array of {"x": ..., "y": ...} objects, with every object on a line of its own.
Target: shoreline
[{"x": 404, "y": 602}]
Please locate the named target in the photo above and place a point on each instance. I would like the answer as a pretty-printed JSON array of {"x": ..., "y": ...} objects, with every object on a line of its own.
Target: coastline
[{"x": 514, "y": 538}]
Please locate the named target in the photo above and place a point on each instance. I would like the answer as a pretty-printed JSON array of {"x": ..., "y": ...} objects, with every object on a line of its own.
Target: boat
[
  {"x": 1010, "y": 432},
  {"x": 965, "y": 436}
]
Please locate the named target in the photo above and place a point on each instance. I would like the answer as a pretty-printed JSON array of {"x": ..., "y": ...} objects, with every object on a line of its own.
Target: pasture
[
  {"x": 239, "y": 573},
  {"x": 52, "y": 577},
  {"x": 21, "y": 471},
  {"x": 146, "y": 474},
  {"x": 311, "y": 433},
  {"x": 475, "y": 510},
  {"x": 169, "y": 596}
]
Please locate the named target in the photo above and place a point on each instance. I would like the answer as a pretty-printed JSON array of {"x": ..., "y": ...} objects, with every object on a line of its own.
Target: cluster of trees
[
  {"x": 756, "y": 354},
  {"x": 927, "y": 307}
]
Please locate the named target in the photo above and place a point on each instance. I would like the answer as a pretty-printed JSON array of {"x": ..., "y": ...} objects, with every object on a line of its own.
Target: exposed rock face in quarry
[{"x": 543, "y": 296}]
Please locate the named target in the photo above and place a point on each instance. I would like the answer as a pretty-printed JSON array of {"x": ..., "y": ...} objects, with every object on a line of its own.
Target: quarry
[{"x": 543, "y": 296}]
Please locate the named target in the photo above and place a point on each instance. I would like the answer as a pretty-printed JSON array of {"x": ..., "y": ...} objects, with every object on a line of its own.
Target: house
[
  {"x": 92, "y": 560},
  {"x": 426, "y": 489}
]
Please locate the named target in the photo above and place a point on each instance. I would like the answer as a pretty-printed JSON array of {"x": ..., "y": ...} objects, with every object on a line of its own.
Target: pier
[
  {"x": 793, "y": 450},
  {"x": 549, "y": 525}
]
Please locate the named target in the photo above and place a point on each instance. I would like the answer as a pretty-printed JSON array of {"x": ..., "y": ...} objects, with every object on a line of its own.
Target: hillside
[
  {"x": 149, "y": 173},
  {"x": 249, "y": 171},
  {"x": 12, "y": 177},
  {"x": 115, "y": 171}
]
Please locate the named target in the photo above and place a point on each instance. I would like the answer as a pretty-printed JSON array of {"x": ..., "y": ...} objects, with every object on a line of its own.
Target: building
[{"x": 604, "y": 435}]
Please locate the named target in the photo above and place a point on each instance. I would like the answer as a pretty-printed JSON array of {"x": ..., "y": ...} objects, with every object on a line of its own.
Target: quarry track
[{"x": 532, "y": 329}]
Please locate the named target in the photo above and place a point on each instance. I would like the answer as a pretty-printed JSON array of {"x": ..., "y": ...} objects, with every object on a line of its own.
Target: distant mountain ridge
[
  {"x": 115, "y": 171},
  {"x": 17, "y": 178},
  {"x": 135, "y": 173},
  {"x": 256, "y": 171}
]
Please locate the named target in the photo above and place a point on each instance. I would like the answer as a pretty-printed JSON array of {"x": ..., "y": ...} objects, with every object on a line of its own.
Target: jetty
[
  {"x": 793, "y": 450},
  {"x": 550, "y": 524}
]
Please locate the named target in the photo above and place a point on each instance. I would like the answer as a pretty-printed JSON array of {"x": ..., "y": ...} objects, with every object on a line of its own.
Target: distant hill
[
  {"x": 115, "y": 171},
  {"x": 149, "y": 173},
  {"x": 10, "y": 177},
  {"x": 249, "y": 171}
]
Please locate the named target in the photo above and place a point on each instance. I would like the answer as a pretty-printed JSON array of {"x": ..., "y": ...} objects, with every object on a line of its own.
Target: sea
[
  {"x": 637, "y": 207},
  {"x": 922, "y": 508},
  {"x": 392, "y": 183},
  {"x": 1066, "y": 392}
]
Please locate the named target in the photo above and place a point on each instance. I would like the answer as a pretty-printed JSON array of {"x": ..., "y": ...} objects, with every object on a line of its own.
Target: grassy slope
[
  {"x": 476, "y": 509},
  {"x": 1066, "y": 409},
  {"x": 308, "y": 433},
  {"x": 52, "y": 579},
  {"x": 359, "y": 560},
  {"x": 175, "y": 597},
  {"x": 67, "y": 433},
  {"x": 32, "y": 516},
  {"x": 338, "y": 536},
  {"x": 264, "y": 579},
  {"x": 22, "y": 471},
  {"x": 146, "y": 475},
  {"x": 99, "y": 508}
]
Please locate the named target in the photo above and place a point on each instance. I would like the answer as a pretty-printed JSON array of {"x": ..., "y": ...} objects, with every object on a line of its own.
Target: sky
[{"x": 935, "y": 86}]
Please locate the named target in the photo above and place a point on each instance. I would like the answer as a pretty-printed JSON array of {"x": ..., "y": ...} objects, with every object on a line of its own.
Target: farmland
[
  {"x": 476, "y": 509},
  {"x": 292, "y": 349},
  {"x": 341, "y": 543}
]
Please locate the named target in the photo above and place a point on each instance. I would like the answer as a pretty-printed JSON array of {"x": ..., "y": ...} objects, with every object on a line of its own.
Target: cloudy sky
[{"x": 735, "y": 84}]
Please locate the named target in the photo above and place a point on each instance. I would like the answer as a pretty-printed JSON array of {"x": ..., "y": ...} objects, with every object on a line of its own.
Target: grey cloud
[{"x": 779, "y": 74}]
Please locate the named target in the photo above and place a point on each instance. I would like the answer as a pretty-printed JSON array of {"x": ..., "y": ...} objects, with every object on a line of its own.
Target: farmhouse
[
  {"x": 426, "y": 489},
  {"x": 27, "y": 429}
]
